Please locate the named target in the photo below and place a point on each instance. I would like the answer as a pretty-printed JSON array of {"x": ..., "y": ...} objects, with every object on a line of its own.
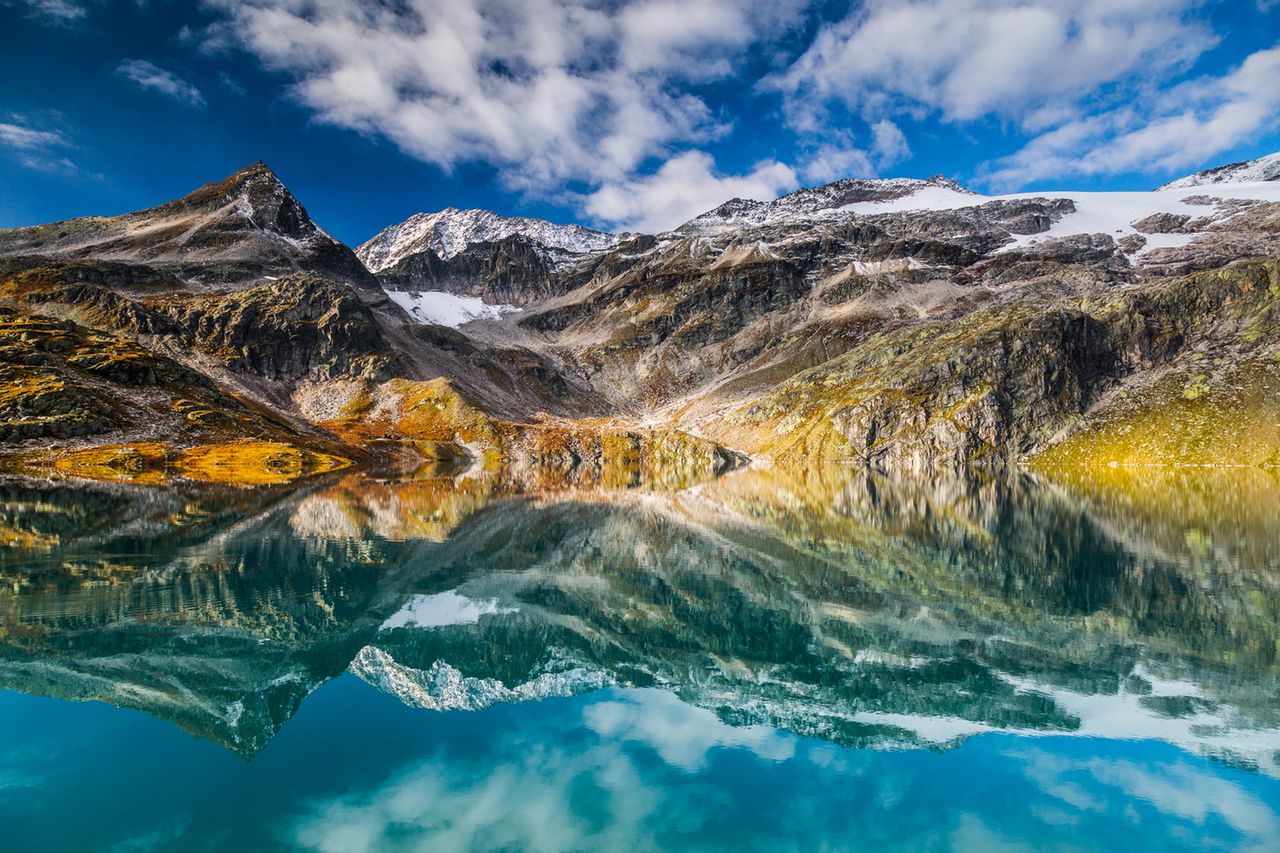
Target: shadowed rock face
[
  {"x": 852, "y": 607},
  {"x": 511, "y": 271}
]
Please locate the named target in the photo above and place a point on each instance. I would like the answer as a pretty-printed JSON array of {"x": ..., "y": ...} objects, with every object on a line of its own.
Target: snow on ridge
[
  {"x": 450, "y": 231},
  {"x": 435, "y": 307},
  {"x": 1111, "y": 213},
  {"x": 819, "y": 202},
  {"x": 442, "y": 687},
  {"x": 1260, "y": 170}
]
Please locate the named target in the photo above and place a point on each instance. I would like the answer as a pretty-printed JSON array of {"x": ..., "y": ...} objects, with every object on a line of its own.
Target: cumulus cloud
[
  {"x": 1180, "y": 129},
  {"x": 614, "y": 107},
  {"x": 148, "y": 75},
  {"x": 554, "y": 94},
  {"x": 684, "y": 186},
  {"x": 532, "y": 799},
  {"x": 971, "y": 58},
  {"x": 843, "y": 159}
]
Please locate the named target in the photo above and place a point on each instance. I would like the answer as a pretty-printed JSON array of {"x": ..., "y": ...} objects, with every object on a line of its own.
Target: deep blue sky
[{"x": 616, "y": 114}]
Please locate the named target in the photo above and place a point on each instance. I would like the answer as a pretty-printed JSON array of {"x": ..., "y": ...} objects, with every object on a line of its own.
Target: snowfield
[
  {"x": 435, "y": 307},
  {"x": 1112, "y": 213}
]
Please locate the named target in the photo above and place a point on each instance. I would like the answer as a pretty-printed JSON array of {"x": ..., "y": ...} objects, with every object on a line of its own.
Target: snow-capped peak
[
  {"x": 816, "y": 202},
  {"x": 1250, "y": 171},
  {"x": 450, "y": 231}
]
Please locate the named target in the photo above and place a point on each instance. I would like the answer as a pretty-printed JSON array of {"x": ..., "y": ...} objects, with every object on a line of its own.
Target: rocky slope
[
  {"x": 905, "y": 323},
  {"x": 893, "y": 323},
  {"x": 228, "y": 318}
]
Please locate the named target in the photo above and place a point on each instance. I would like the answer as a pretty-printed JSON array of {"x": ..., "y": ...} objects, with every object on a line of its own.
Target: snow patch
[
  {"x": 447, "y": 309},
  {"x": 1111, "y": 213},
  {"x": 441, "y": 610},
  {"x": 924, "y": 198}
]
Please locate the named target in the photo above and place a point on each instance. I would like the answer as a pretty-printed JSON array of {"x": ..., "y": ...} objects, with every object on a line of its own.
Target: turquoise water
[{"x": 844, "y": 663}]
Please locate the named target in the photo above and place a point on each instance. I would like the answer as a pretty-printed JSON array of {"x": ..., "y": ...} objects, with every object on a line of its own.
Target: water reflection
[{"x": 844, "y": 606}]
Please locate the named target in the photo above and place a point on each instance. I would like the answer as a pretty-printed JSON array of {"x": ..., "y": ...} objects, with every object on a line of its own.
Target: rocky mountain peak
[
  {"x": 229, "y": 232},
  {"x": 448, "y": 232},
  {"x": 256, "y": 194}
]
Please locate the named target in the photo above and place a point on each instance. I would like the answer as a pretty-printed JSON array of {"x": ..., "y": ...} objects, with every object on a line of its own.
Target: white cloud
[
  {"x": 683, "y": 735},
  {"x": 553, "y": 94},
  {"x": 889, "y": 142},
  {"x": 27, "y": 138},
  {"x": 52, "y": 11},
  {"x": 831, "y": 162},
  {"x": 1089, "y": 79},
  {"x": 1180, "y": 129},
  {"x": 533, "y": 798},
  {"x": 148, "y": 75},
  {"x": 1184, "y": 792},
  {"x": 35, "y": 148},
  {"x": 684, "y": 186},
  {"x": 972, "y": 58},
  {"x": 602, "y": 104},
  {"x": 843, "y": 159}
]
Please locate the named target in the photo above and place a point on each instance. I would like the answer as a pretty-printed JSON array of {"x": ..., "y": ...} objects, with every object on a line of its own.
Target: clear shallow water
[{"x": 840, "y": 663}]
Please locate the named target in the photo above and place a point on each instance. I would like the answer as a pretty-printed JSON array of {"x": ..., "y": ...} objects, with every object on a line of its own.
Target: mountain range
[{"x": 896, "y": 324}]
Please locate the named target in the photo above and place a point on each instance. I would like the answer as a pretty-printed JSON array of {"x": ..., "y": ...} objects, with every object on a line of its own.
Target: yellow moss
[
  {"x": 1196, "y": 388},
  {"x": 27, "y": 385},
  {"x": 246, "y": 462},
  {"x": 139, "y": 462},
  {"x": 426, "y": 508},
  {"x": 26, "y": 540},
  {"x": 1231, "y": 419},
  {"x": 253, "y": 463},
  {"x": 431, "y": 411}
]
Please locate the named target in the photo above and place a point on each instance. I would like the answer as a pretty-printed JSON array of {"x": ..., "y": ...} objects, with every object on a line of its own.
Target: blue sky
[{"x": 616, "y": 114}]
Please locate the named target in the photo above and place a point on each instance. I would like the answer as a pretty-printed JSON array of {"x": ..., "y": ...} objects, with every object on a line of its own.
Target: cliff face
[{"x": 897, "y": 324}]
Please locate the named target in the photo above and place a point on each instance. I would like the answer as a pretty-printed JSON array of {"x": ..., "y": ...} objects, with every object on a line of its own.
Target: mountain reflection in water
[{"x": 846, "y": 607}]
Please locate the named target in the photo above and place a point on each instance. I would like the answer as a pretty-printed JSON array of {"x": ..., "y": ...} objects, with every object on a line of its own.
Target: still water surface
[{"x": 842, "y": 662}]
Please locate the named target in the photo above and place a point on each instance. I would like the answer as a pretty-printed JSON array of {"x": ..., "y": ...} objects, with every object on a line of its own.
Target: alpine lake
[{"x": 840, "y": 660}]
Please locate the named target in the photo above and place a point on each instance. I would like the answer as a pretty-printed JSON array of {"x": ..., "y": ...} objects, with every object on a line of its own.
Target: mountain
[
  {"x": 893, "y": 323},
  {"x": 244, "y": 228},
  {"x": 503, "y": 260},
  {"x": 225, "y": 335},
  {"x": 826, "y": 200},
  {"x": 451, "y": 231},
  {"x": 1250, "y": 171},
  {"x": 912, "y": 323}
]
